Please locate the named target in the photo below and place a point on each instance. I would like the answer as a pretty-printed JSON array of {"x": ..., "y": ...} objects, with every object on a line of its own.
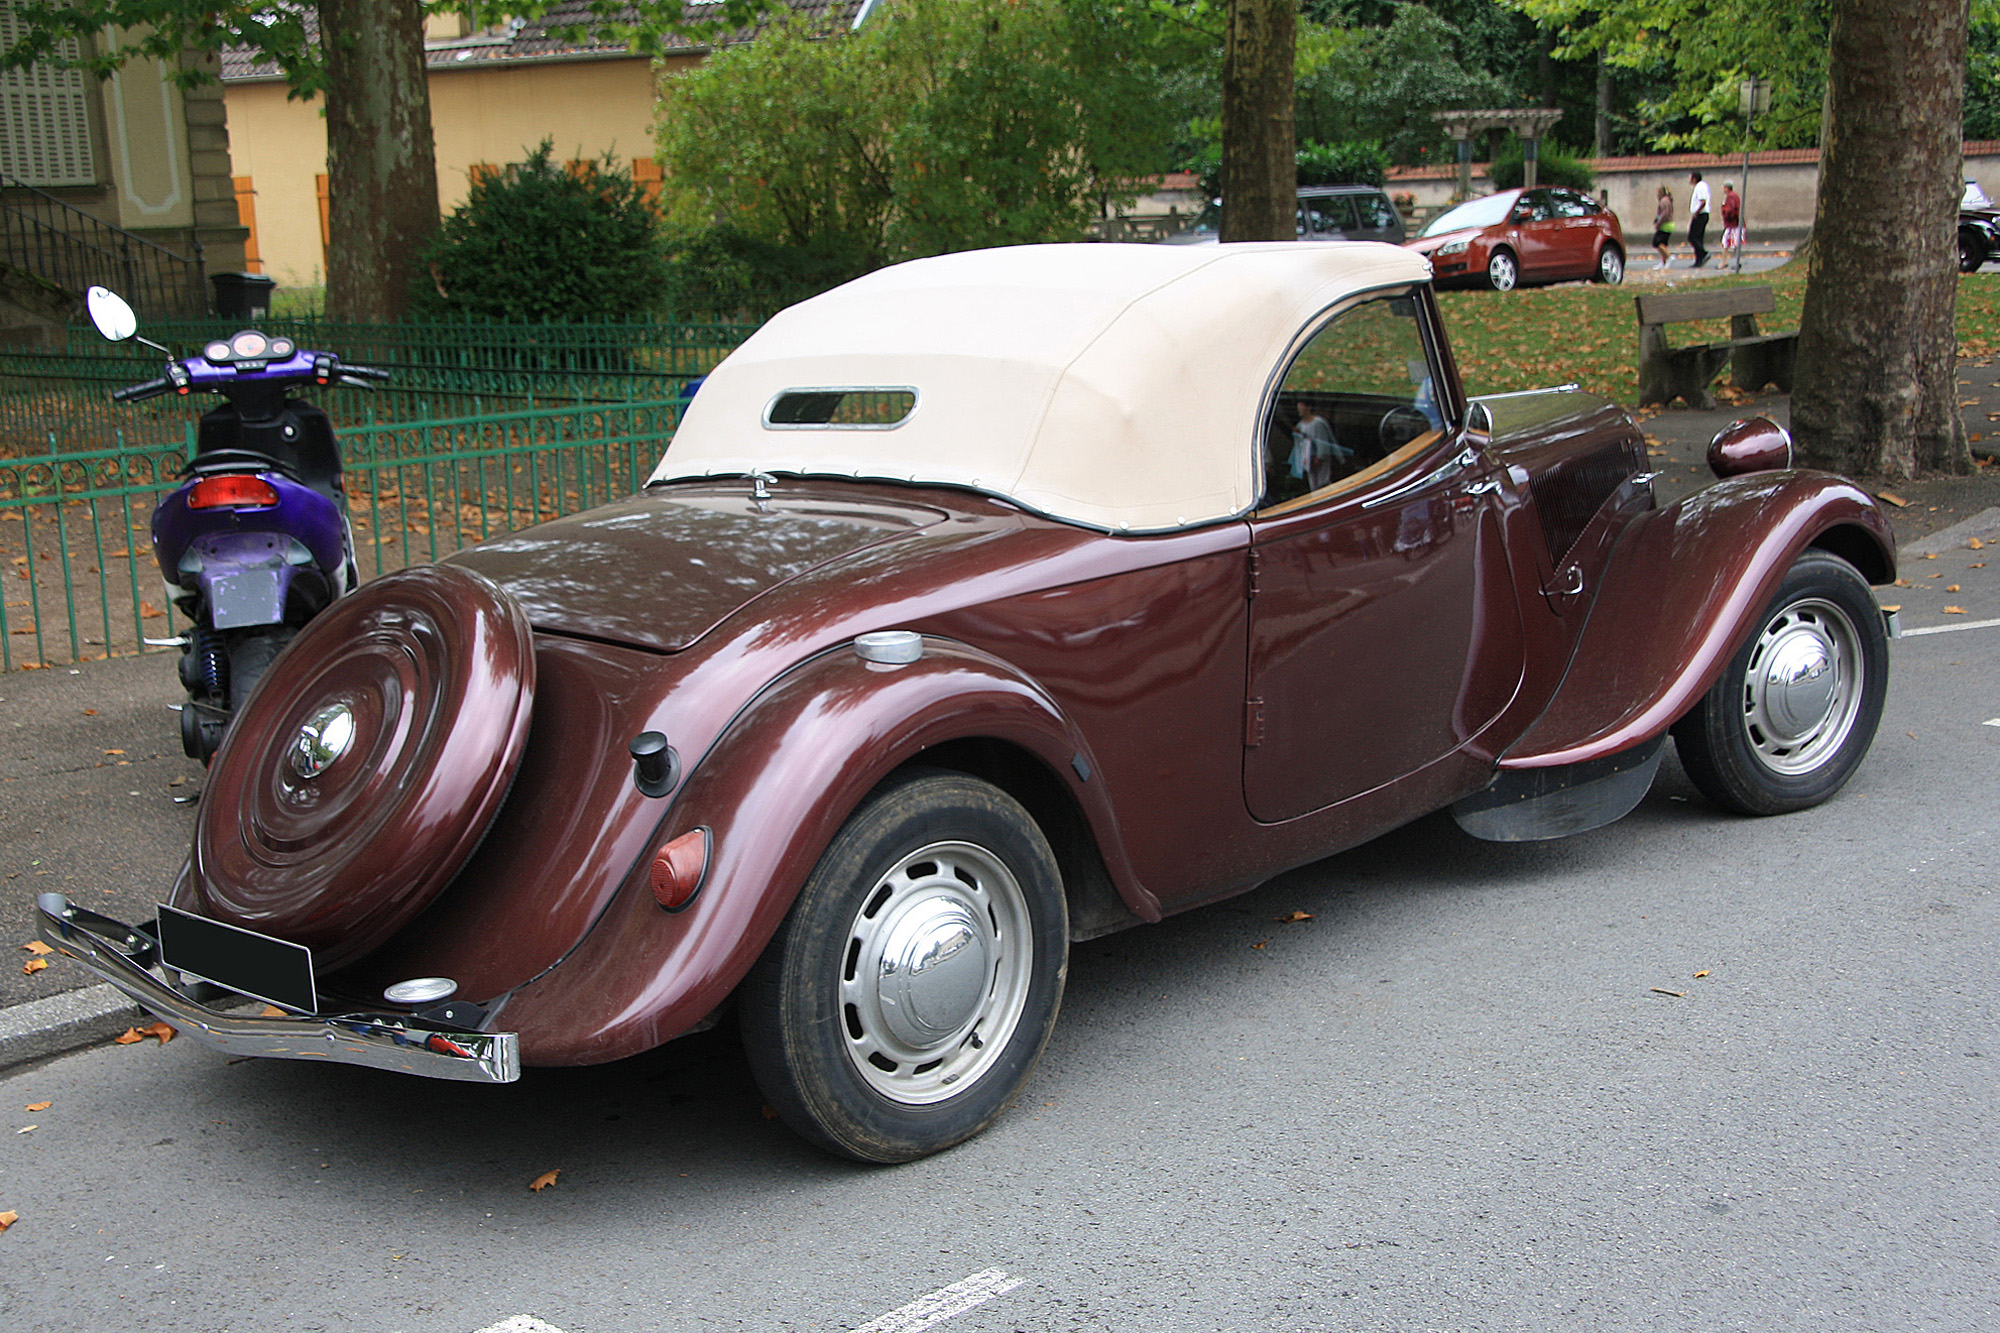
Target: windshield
[{"x": 1485, "y": 212}]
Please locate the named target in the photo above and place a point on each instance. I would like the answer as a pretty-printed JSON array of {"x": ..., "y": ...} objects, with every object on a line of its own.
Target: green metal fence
[
  {"x": 58, "y": 399},
  {"x": 76, "y": 555}
]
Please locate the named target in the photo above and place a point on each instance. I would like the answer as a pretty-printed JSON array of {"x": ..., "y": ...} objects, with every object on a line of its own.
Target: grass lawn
[{"x": 1589, "y": 334}]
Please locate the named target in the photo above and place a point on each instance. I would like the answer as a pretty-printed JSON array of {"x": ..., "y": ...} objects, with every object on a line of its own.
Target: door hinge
[
  {"x": 1253, "y": 723},
  {"x": 1253, "y": 571}
]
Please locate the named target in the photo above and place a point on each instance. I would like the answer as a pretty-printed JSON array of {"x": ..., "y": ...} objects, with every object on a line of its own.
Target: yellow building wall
[{"x": 479, "y": 116}]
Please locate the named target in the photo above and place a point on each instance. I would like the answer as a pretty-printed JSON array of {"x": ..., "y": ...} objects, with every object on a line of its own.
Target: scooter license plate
[{"x": 260, "y": 966}]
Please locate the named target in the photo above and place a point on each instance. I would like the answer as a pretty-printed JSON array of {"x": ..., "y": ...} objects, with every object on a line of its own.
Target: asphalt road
[{"x": 1690, "y": 1071}]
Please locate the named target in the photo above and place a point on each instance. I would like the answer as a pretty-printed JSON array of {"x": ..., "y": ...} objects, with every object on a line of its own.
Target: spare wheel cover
[{"x": 422, "y": 682}]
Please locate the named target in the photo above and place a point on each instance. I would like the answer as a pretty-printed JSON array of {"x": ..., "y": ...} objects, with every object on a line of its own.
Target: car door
[
  {"x": 1538, "y": 233},
  {"x": 1384, "y": 628},
  {"x": 1576, "y": 231}
]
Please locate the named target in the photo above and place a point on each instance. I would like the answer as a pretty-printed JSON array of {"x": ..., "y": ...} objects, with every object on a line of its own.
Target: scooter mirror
[{"x": 110, "y": 313}]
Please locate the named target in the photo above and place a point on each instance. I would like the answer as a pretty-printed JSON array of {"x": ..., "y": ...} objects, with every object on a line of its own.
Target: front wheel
[
  {"x": 1796, "y": 709},
  {"x": 1971, "y": 252},
  {"x": 1611, "y": 266},
  {"x": 1503, "y": 272},
  {"x": 909, "y": 993}
]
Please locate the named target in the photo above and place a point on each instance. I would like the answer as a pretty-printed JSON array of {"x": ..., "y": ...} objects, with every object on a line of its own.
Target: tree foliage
[
  {"x": 541, "y": 239},
  {"x": 940, "y": 125},
  {"x": 1383, "y": 84}
]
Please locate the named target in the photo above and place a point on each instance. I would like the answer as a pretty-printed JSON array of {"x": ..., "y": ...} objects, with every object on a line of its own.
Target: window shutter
[{"x": 44, "y": 118}]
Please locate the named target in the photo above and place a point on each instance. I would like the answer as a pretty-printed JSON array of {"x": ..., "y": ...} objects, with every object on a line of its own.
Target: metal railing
[
  {"x": 69, "y": 249},
  {"x": 77, "y": 577}
]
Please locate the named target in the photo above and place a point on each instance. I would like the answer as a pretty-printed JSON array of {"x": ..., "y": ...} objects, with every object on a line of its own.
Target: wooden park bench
[{"x": 1755, "y": 359}]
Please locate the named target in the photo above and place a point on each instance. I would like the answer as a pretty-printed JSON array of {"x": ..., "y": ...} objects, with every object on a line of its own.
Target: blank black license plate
[{"x": 273, "y": 970}]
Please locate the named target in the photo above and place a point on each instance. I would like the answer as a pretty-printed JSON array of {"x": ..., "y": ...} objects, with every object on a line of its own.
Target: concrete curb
[{"x": 63, "y": 1023}]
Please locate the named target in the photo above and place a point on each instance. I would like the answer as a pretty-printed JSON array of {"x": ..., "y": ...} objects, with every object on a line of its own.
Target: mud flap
[{"x": 1534, "y": 804}]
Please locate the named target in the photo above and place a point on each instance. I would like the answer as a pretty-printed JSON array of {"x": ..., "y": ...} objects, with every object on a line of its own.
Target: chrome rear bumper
[{"x": 123, "y": 957}]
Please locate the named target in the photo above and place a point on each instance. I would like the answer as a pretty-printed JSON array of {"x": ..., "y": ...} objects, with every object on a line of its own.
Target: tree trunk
[
  {"x": 1259, "y": 159},
  {"x": 1600, "y": 137},
  {"x": 381, "y": 157},
  {"x": 1876, "y": 388}
]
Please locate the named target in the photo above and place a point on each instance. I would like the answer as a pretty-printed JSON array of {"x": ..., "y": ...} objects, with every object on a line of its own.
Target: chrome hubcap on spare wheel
[
  {"x": 936, "y": 972},
  {"x": 1802, "y": 691},
  {"x": 322, "y": 739}
]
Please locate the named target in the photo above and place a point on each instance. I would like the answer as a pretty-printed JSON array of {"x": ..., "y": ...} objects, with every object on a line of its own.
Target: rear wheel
[
  {"x": 909, "y": 993},
  {"x": 1611, "y": 266},
  {"x": 250, "y": 656},
  {"x": 1796, "y": 709},
  {"x": 1971, "y": 252},
  {"x": 1503, "y": 272}
]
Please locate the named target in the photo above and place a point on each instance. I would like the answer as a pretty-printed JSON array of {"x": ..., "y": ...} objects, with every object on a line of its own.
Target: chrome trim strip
[{"x": 378, "y": 1041}]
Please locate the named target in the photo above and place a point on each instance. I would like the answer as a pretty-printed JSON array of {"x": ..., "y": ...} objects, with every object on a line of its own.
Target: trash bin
[{"x": 242, "y": 295}]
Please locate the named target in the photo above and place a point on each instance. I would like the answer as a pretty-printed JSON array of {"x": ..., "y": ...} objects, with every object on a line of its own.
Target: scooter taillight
[{"x": 232, "y": 492}]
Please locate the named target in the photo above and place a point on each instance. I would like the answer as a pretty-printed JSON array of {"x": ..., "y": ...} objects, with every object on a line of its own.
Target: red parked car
[
  {"x": 988, "y": 603},
  {"x": 1505, "y": 240}
]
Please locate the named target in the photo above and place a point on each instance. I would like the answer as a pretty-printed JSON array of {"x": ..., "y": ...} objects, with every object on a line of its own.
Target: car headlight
[{"x": 1454, "y": 247}]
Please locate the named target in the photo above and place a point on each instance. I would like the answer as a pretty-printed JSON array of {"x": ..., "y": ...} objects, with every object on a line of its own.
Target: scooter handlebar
[{"x": 133, "y": 393}]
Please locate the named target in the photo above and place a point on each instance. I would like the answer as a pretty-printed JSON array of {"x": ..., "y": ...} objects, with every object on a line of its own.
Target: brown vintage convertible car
[{"x": 988, "y": 603}]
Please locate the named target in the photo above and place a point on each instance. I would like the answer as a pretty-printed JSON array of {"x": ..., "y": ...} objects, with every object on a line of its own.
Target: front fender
[
  {"x": 1682, "y": 589},
  {"x": 772, "y": 791}
]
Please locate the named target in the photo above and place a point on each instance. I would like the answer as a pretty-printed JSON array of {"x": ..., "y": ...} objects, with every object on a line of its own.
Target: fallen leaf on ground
[
  {"x": 1954, "y": 610},
  {"x": 8, "y": 1219},
  {"x": 27, "y": 1129},
  {"x": 544, "y": 1180},
  {"x": 90, "y": 712},
  {"x": 34, "y": 965},
  {"x": 1951, "y": 587},
  {"x": 1699, "y": 975},
  {"x": 114, "y": 752},
  {"x": 1260, "y": 944},
  {"x": 38, "y": 1106},
  {"x": 1930, "y": 555},
  {"x": 37, "y": 948},
  {"x": 1892, "y": 606},
  {"x": 1976, "y": 545},
  {"x": 1893, "y": 499},
  {"x": 159, "y": 1030},
  {"x": 28, "y": 628},
  {"x": 1677, "y": 994},
  {"x": 147, "y": 611},
  {"x": 1290, "y": 917},
  {"x": 270, "y": 1011}
]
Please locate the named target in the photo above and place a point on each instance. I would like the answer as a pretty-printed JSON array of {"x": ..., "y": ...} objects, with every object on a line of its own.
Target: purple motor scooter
[{"x": 254, "y": 542}]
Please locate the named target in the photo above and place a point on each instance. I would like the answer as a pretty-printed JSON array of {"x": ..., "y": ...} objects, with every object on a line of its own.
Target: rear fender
[
  {"x": 772, "y": 792},
  {"x": 1682, "y": 589}
]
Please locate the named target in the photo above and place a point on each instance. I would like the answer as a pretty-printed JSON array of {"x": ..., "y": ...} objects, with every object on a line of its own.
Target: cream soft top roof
[{"x": 1117, "y": 386}]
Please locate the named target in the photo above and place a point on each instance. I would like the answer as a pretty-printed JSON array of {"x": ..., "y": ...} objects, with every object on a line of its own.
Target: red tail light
[
  {"x": 678, "y": 869},
  {"x": 233, "y": 491}
]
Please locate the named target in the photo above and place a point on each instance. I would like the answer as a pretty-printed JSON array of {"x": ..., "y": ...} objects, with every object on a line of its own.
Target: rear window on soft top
[{"x": 840, "y": 407}]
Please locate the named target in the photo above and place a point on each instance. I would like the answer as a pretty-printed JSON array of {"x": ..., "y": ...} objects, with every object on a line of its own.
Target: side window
[
  {"x": 1570, "y": 205},
  {"x": 1355, "y": 397},
  {"x": 1377, "y": 212},
  {"x": 1333, "y": 215}
]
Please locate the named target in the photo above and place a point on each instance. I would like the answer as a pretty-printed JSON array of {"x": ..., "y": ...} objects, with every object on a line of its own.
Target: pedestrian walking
[
  {"x": 1698, "y": 218},
  {"x": 1732, "y": 224},
  {"x": 1663, "y": 223}
]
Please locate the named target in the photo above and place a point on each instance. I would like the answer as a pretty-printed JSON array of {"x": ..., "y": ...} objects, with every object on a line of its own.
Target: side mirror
[{"x": 110, "y": 313}]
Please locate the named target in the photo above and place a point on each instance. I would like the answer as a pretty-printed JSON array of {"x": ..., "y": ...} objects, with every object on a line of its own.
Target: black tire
[
  {"x": 1503, "y": 271},
  {"x": 1971, "y": 252},
  {"x": 1610, "y": 266},
  {"x": 250, "y": 656},
  {"x": 936, "y": 869},
  {"x": 1795, "y": 711}
]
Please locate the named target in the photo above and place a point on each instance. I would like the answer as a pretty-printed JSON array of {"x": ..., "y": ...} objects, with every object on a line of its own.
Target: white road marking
[
  {"x": 942, "y": 1304},
  {"x": 521, "y": 1323},
  {"x": 1947, "y": 629}
]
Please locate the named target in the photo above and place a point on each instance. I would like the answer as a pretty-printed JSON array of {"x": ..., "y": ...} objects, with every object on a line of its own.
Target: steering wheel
[{"x": 1401, "y": 424}]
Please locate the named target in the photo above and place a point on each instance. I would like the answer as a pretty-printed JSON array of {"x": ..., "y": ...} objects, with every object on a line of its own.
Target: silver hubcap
[
  {"x": 323, "y": 739},
  {"x": 936, "y": 972},
  {"x": 1502, "y": 270},
  {"x": 1803, "y": 688},
  {"x": 1611, "y": 266}
]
